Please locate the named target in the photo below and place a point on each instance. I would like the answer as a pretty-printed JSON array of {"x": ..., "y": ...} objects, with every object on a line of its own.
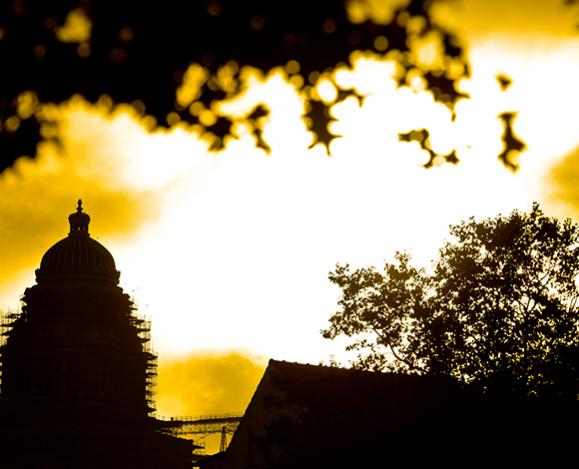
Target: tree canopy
[
  {"x": 142, "y": 54},
  {"x": 498, "y": 310}
]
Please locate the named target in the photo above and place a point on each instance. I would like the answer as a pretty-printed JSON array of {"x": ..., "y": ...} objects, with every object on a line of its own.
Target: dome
[{"x": 78, "y": 256}]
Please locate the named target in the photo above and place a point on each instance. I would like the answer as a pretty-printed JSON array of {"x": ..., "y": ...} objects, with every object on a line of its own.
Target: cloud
[
  {"x": 109, "y": 159},
  {"x": 562, "y": 188},
  {"x": 520, "y": 19},
  {"x": 204, "y": 384}
]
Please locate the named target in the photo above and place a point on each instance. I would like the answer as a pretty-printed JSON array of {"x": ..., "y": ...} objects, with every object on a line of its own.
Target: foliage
[
  {"x": 140, "y": 55},
  {"x": 498, "y": 310}
]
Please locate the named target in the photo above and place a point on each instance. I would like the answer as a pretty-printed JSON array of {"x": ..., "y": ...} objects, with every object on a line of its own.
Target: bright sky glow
[{"x": 231, "y": 251}]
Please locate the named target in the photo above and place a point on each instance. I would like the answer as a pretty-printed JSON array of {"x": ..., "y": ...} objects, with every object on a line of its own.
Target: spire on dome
[
  {"x": 79, "y": 221},
  {"x": 78, "y": 256}
]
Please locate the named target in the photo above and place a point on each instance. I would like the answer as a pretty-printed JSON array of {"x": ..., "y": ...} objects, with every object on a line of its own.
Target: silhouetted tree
[
  {"x": 498, "y": 310},
  {"x": 139, "y": 53}
]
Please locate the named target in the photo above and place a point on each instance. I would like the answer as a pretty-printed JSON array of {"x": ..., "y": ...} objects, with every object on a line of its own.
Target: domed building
[{"x": 77, "y": 369}]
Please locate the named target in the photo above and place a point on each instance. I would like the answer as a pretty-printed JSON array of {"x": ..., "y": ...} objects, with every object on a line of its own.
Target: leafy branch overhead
[
  {"x": 499, "y": 310},
  {"x": 421, "y": 136},
  {"x": 141, "y": 56}
]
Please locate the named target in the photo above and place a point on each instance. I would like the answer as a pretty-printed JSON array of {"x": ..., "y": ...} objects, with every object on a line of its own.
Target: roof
[
  {"x": 339, "y": 399},
  {"x": 78, "y": 256},
  {"x": 318, "y": 416}
]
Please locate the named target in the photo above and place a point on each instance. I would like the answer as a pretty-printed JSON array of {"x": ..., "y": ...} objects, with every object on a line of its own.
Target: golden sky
[{"x": 228, "y": 253}]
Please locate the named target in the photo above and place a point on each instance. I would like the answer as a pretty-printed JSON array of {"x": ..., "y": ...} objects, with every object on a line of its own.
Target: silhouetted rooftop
[
  {"x": 318, "y": 416},
  {"x": 78, "y": 256},
  {"x": 341, "y": 402}
]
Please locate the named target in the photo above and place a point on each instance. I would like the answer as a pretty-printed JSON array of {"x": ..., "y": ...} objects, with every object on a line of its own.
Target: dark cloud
[
  {"x": 209, "y": 383},
  {"x": 36, "y": 195}
]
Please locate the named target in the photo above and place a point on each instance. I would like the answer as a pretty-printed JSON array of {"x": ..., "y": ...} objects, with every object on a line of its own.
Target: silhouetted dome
[{"x": 78, "y": 256}]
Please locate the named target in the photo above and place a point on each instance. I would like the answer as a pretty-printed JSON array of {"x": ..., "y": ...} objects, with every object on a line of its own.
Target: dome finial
[{"x": 79, "y": 221}]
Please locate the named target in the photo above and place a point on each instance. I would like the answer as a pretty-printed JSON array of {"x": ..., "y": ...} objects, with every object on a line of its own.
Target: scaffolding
[
  {"x": 143, "y": 327},
  {"x": 7, "y": 321},
  {"x": 198, "y": 427}
]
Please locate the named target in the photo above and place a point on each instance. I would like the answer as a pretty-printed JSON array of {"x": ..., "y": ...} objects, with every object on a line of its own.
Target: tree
[
  {"x": 141, "y": 55},
  {"x": 498, "y": 310}
]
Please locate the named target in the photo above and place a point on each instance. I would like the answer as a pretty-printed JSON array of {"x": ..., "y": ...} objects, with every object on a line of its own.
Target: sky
[{"x": 228, "y": 252}]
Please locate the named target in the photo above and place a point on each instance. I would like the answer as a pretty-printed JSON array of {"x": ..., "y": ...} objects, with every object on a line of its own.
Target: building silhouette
[
  {"x": 77, "y": 370},
  {"x": 311, "y": 416},
  {"x": 78, "y": 379}
]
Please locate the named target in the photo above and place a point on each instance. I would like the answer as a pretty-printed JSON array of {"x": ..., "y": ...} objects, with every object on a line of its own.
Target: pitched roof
[
  {"x": 317, "y": 416},
  {"x": 313, "y": 416},
  {"x": 345, "y": 402}
]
